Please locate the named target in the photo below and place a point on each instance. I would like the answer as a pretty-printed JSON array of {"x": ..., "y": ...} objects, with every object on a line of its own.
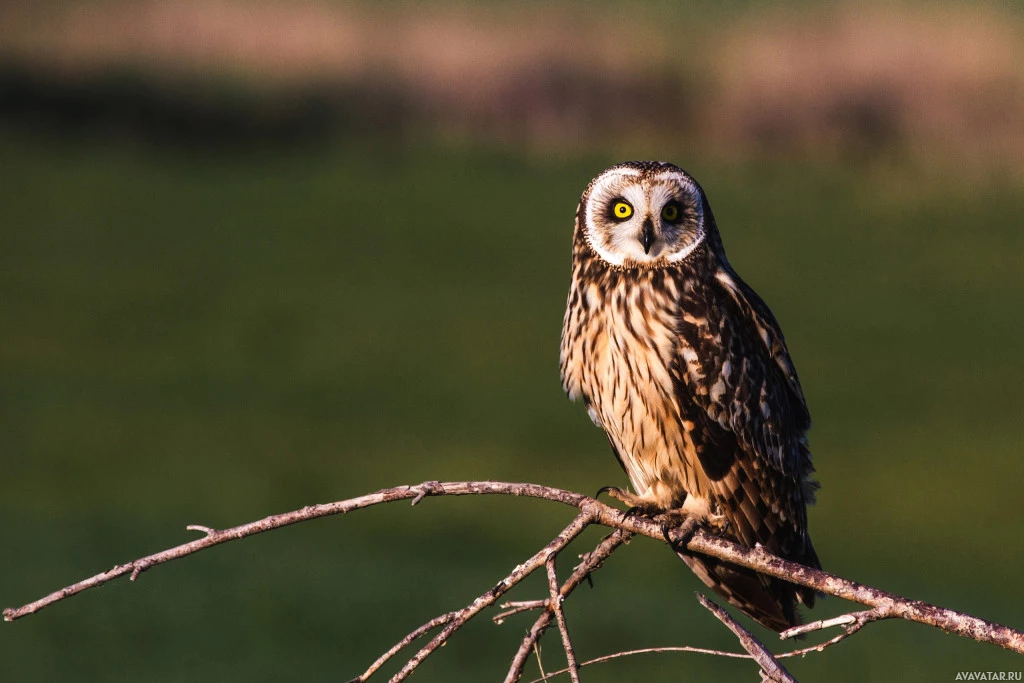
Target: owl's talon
[
  {"x": 683, "y": 523},
  {"x": 624, "y": 496},
  {"x": 718, "y": 524},
  {"x": 685, "y": 529}
]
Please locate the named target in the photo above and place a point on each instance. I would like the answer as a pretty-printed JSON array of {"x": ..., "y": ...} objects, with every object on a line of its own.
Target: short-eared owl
[{"x": 687, "y": 372}]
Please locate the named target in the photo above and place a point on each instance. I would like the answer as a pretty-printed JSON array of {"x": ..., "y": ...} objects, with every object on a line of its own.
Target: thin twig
[
  {"x": 590, "y": 562},
  {"x": 422, "y": 630},
  {"x": 770, "y": 667},
  {"x": 516, "y": 607},
  {"x": 646, "y": 651},
  {"x": 819, "y": 647},
  {"x": 563, "y": 628},
  {"x": 853, "y": 623},
  {"x": 515, "y": 670},
  {"x": 425, "y": 490},
  {"x": 536, "y": 652},
  {"x": 567, "y": 534}
]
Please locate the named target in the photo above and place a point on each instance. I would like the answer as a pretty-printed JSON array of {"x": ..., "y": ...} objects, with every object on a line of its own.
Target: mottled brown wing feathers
[
  {"x": 750, "y": 438},
  {"x": 742, "y": 376},
  {"x": 769, "y": 602}
]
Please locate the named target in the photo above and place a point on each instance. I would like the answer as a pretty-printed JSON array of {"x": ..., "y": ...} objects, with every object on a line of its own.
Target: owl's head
[{"x": 644, "y": 214}]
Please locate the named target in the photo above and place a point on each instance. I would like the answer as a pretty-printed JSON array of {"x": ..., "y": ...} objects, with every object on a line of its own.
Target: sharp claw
[
  {"x": 628, "y": 512},
  {"x": 678, "y": 521},
  {"x": 719, "y": 525},
  {"x": 688, "y": 528}
]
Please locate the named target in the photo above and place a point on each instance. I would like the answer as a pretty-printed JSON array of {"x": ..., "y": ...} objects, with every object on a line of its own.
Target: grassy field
[{"x": 192, "y": 338}]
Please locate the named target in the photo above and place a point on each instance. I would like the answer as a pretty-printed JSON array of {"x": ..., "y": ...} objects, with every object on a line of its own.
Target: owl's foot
[
  {"x": 680, "y": 522},
  {"x": 637, "y": 505},
  {"x": 630, "y": 499},
  {"x": 717, "y": 524}
]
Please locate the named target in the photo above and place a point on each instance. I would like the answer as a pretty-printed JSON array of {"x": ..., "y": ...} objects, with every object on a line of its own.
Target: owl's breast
[{"x": 623, "y": 355}]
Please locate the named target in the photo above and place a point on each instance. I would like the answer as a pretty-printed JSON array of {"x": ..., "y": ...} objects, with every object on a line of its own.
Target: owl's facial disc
[{"x": 635, "y": 218}]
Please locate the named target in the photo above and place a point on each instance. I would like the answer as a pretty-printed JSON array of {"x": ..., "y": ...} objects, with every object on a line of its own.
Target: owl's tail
[{"x": 769, "y": 601}]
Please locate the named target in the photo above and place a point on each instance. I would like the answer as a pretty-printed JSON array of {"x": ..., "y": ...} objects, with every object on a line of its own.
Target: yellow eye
[
  {"x": 622, "y": 210},
  {"x": 670, "y": 212}
]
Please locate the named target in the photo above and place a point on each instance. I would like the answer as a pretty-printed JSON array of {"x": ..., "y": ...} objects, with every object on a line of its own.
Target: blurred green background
[{"x": 255, "y": 256}]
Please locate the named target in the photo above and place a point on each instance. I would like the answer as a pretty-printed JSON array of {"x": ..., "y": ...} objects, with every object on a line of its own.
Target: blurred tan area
[{"x": 941, "y": 82}]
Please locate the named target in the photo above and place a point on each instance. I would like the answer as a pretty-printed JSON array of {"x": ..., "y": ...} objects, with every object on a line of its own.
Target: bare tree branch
[
  {"x": 517, "y": 607},
  {"x": 490, "y": 597},
  {"x": 563, "y": 628},
  {"x": 214, "y": 537},
  {"x": 647, "y": 651},
  {"x": 590, "y": 562},
  {"x": 515, "y": 671},
  {"x": 771, "y": 670},
  {"x": 883, "y": 605},
  {"x": 397, "y": 647},
  {"x": 852, "y": 623}
]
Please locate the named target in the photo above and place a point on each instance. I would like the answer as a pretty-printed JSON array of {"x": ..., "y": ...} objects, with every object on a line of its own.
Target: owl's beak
[{"x": 647, "y": 237}]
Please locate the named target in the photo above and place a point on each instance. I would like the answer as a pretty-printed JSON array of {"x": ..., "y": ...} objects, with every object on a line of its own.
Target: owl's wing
[
  {"x": 736, "y": 367},
  {"x": 737, "y": 383}
]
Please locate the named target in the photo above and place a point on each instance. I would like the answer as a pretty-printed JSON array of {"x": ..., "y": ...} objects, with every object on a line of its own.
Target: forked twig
[
  {"x": 590, "y": 562},
  {"x": 517, "y": 607},
  {"x": 397, "y": 647},
  {"x": 771, "y": 670},
  {"x": 563, "y": 628},
  {"x": 851, "y": 622},
  {"x": 490, "y": 597},
  {"x": 529, "y": 644}
]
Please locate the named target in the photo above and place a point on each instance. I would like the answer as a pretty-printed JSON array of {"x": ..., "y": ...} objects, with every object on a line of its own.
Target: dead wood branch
[
  {"x": 563, "y": 627},
  {"x": 590, "y": 562},
  {"x": 883, "y": 605},
  {"x": 771, "y": 670}
]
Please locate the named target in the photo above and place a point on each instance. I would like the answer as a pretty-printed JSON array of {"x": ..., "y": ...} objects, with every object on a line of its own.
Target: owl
[{"x": 687, "y": 372}]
